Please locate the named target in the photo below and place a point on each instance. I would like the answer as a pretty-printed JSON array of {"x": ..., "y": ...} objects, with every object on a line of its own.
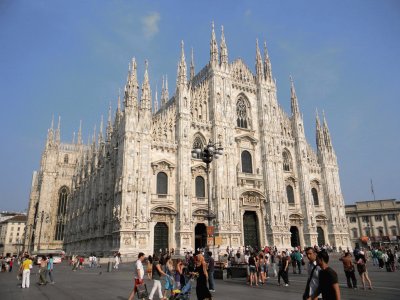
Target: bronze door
[
  {"x": 160, "y": 237},
  {"x": 250, "y": 229}
]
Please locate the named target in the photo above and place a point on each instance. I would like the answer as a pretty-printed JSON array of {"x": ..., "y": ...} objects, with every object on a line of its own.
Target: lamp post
[
  {"x": 207, "y": 155},
  {"x": 42, "y": 215}
]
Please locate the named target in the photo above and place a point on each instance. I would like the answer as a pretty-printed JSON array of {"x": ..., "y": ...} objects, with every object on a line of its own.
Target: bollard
[{"x": 109, "y": 266}]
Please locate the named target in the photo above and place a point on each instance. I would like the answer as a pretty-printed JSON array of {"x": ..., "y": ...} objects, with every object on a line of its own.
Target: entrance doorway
[
  {"x": 295, "y": 238},
  {"x": 160, "y": 237},
  {"x": 250, "y": 229},
  {"x": 321, "y": 236},
  {"x": 200, "y": 236}
]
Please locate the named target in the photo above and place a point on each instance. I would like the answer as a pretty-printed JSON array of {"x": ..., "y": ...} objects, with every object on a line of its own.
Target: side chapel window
[
  {"x": 290, "y": 194},
  {"x": 247, "y": 166},
  {"x": 61, "y": 213},
  {"x": 315, "y": 196},
  {"x": 200, "y": 187},
  {"x": 287, "y": 161}
]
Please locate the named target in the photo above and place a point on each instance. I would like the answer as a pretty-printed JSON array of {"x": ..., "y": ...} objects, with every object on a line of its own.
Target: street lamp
[
  {"x": 42, "y": 214},
  {"x": 210, "y": 151}
]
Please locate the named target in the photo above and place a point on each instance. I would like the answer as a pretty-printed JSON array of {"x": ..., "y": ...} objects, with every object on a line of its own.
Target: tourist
[
  {"x": 50, "y": 266},
  {"x": 362, "y": 270},
  {"x": 25, "y": 268},
  {"x": 379, "y": 254},
  {"x": 273, "y": 263},
  {"x": 157, "y": 272},
  {"x": 349, "y": 270},
  {"x": 210, "y": 270},
  {"x": 262, "y": 264},
  {"x": 179, "y": 276},
  {"x": 283, "y": 269},
  {"x": 169, "y": 270},
  {"x": 139, "y": 274},
  {"x": 328, "y": 284},
  {"x": 313, "y": 273},
  {"x": 298, "y": 259},
  {"x": 116, "y": 261},
  {"x": 149, "y": 267},
  {"x": 202, "y": 291},
  {"x": 391, "y": 260},
  {"x": 374, "y": 257},
  {"x": 43, "y": 270},
  {"x": 253, "y": 269}
]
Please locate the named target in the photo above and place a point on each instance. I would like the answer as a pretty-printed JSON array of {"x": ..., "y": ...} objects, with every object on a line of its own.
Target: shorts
[
  {"x": 264, "y": 268},
  {"x": 252, "y": 269}
]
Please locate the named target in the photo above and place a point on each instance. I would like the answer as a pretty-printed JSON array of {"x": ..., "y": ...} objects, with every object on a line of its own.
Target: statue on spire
[
  {"x": 224, "y": 49},
  {"x": 145, "y": 103},
  {"x": 267, "y": 64},
  {"x": 213, "y": 47},
  {"x": 182, "y": 79},
  {"x": 259, "y": 63},
  {"x": 192, "y": 67}
]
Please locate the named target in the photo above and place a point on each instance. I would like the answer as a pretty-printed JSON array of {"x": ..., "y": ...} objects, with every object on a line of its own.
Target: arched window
[
  {"x": 65, "y": 158},
  {"x": 162, "y": 183},
  {"x": 61, "y": 213},
  {"x": 290, "y": 194},
  {"x": 200, "y": 187},
  {"x": 198, "y": 144},
  {"x": 242, "y": 114},
  {"x": 247, "y": 166},
  {"x": 315, "y": 196},
  {"x": 287, "y": 161}
]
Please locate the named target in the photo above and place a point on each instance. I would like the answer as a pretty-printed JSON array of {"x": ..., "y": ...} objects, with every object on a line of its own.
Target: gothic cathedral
[{"x": 137, "y": 187}]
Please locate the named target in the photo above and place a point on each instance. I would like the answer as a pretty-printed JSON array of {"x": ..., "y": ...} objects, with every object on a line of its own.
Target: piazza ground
[{"x": 99, "y": 284}]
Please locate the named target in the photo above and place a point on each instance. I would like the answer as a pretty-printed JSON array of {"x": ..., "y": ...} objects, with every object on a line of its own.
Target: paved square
[{"x": 99, "y": 284}]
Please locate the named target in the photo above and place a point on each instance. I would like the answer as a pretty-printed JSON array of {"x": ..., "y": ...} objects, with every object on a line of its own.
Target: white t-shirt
[{"x": 139, "y": 266}]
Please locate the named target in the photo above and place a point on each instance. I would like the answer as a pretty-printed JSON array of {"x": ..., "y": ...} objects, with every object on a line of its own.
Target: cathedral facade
[{"x": 136, "y": 187}]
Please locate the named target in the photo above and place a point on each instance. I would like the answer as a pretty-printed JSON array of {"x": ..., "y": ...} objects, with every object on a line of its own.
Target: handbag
[{"x": 142, "y": 291}]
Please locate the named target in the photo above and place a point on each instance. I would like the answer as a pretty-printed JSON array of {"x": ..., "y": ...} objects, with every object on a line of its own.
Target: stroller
[{"x": 184, "y": 293}]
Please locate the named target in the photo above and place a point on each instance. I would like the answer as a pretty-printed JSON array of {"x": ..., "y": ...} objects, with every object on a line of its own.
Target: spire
[
  {"x": 293, "y": 98},
  {"x": 213, "y": 47},
  {"x": 319, "y": 134},
  {"x": 145, "y": 101},
  {"x": 101, "y": 131},
  {"x": 131, "y": 87},
  {"x": 224, "y": 49},
  {"x": 192, "y": 67},
  {"x": 156, "y": 100},
  {"x": 164, "y": 91},
  {"x": 58, "y": 131},
  {"x": 80, "y": 133},
  {"x": 73, "y": 137},
  {"x": 267, "y": 64},
  {"x": 259, "y": 63},
  {"x": 327, "y": 135},
  {"x": 109, "y": 124},
  {"x": 50, "y": 133},
  {"x": 182, "y": 80}
]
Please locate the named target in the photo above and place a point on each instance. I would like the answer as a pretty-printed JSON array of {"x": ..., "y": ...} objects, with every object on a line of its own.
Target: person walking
[
  {"x": 313, "y": 273},
  {"x": 43, "y": 270},
  {"x": 149, "y": 267},
  {"x": 379, "y": 254},
  {"x": 139, "y": 274},
  {"x": 362, "y": 270},
  {"x": 262, "y": 265},
  {"x": 169, "y": 270},
  {"x": 116, "y": 261},
  {"x": 157, "y": 272},
  {"x": 349, "y": 270},
  {"x": 202, "y": 291},
  {"x": 391, "y": 259},
  {"x": 50, "y": 266},
  {"x": 283, "y": 269},
  {"x": 328, "y": 284},
  {"x": 297, "y": 258},
  {"x": 26, "y": 267}
]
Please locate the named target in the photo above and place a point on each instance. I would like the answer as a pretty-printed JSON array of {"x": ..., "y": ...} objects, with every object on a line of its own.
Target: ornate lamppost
[{"x": 207, "y": 155}]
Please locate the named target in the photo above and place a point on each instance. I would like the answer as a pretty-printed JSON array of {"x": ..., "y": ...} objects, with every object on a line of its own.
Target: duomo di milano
[{"x": 136, "y": 187}]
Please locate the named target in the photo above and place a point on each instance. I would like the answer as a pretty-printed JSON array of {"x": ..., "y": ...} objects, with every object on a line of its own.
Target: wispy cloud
[{"x": 150, "y": 24}]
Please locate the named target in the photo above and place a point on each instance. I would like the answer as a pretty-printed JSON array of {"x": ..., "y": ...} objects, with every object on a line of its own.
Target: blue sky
[{"x": 69, "y": 58}]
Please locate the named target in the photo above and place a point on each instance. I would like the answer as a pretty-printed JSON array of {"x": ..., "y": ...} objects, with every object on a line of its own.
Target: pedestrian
[
  {"x": 348, "y": 267},
  {"x": 116, "y": 261},
  {"x": 43, "y": 271},
  {"x": 328, "y": 284},
  {"x": 169, "y": 270},
  {"x": 293, "y": 261},
  {"x": 81, "y": 261},
  {"x": 149, "y": 266},
  {"x": 362, "y": 270},
  {"x": 273, "y": 263},
  {"x": 391, "y": 259},
  {"x": 253, "y": 270},
  {"x": 379, "y": 254},
  {"x": 283, "y": 269},
  {"x": 179, "y": 276},
  {"x": 11, "y": 262},
  {"x": 262, "y": 265},
  {"x": 50, "y": 267},
  {"x": 25, "y": 268},
  {"x": 298, "y": 259},
  {"x": 202, "y": 291},
  {"x": 139, "y": 274},
  {"x": 157, "y": 272},
  {"x": 375, "y": 257},
  {"x": 313, "y": 273},
  {"x": 210, "y": 270}
]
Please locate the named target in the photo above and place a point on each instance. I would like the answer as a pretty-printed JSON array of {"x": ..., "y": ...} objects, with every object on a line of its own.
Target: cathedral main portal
[
  {"x": 250, "y": 229},
  {"x": 200, "y": 236},
  {"x": 160, "y": 237}
]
